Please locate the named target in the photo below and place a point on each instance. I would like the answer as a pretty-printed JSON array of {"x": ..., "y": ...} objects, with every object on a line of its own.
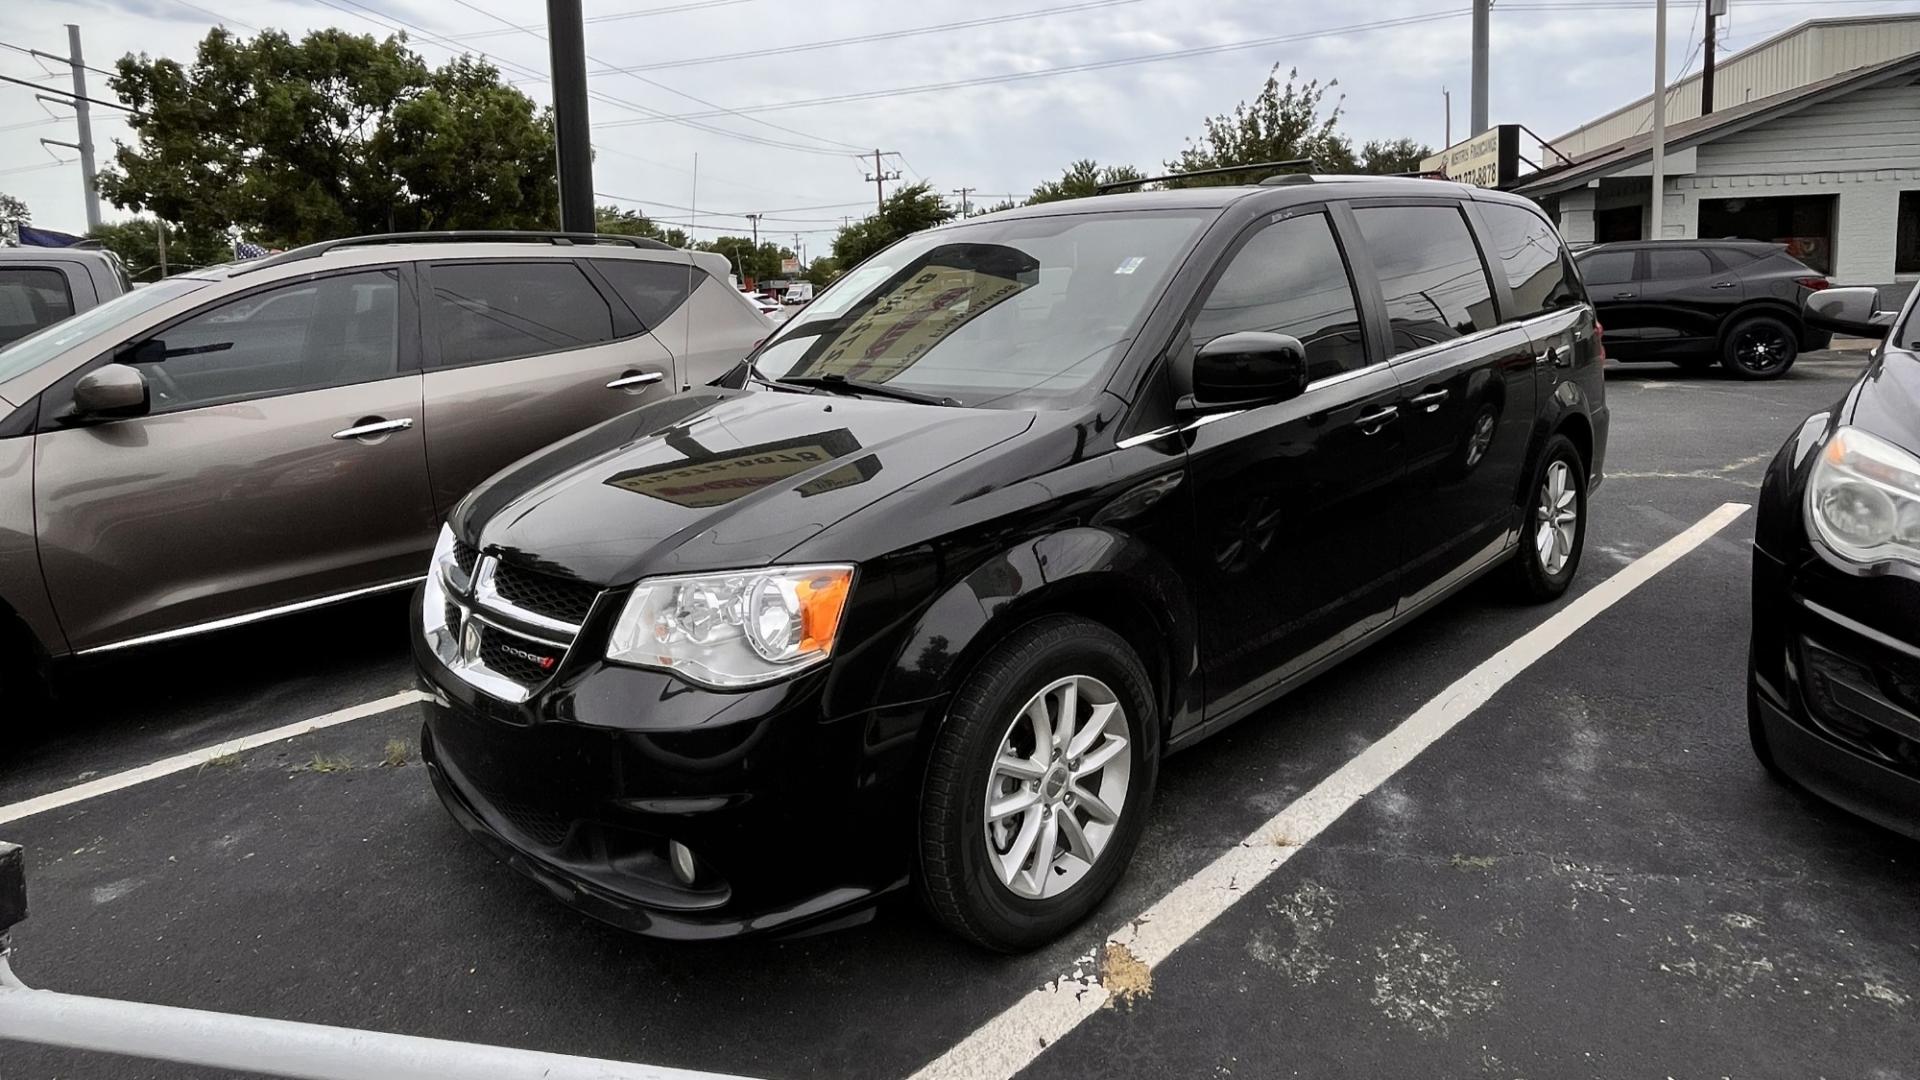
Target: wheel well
[
  {"x": 1773, "y": 309},
  {"x": 1579, "y": 431}
]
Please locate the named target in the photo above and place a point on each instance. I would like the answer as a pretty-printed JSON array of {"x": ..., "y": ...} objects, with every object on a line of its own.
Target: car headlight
[
  {"x": 1864, "y": 498},
  {"x": 735, "y": 629},
  {"x": 433, "y": 601}
]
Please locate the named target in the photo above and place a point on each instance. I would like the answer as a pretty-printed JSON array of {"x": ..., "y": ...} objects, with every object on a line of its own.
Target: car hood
[
  {"x": 714, "y": 479},
  {"x": 1887, "y": 403}
]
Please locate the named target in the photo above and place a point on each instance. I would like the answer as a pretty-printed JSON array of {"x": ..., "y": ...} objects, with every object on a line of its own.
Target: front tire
[
  {"x": 1038, "y": 783},
  {"x": 1759, "y": 347},
  {"x": 1555, "y": 529}
]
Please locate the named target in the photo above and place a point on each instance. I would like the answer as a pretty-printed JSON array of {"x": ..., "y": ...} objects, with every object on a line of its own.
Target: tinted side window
[
  {"x": 327, "y": 332},
  {"x": 1607, "y": 268},
  {"x": 1290, "y": 279},
  {"x": 498, "y": 311},
  {"x": 654, "y": 290},
  {"x": 30, "y": 298},
  {"x": 1533, "y": 258},
  {"x": 1430, "y": 273},
  {"x": 1666, "y": 264}
]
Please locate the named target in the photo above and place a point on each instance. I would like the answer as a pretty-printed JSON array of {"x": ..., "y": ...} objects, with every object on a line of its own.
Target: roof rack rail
[
  {"x": 1290, "y": 163},
  {"x": 451, "y": 236}
]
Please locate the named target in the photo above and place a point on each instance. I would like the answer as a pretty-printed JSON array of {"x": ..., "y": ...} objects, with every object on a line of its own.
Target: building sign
[
  {"x": 789, "y": 266},
  {"x": 1489, "y": 159}
]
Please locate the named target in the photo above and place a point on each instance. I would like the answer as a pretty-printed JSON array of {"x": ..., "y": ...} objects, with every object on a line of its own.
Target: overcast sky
[{"x": 1556, "y": 63}]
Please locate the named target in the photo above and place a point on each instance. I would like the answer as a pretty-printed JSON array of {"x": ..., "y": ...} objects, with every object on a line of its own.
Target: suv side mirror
[
  {"x": 110, "y": 390},
  {"x": 1853, "y": 311},
  {"x": 1252, "y": 367}
]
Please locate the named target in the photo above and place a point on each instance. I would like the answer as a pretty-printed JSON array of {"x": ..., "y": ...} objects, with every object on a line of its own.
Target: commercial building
[{"x": 1814, "y": 142}]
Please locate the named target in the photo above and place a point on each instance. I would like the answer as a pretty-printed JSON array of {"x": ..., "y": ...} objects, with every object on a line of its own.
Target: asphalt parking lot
[{"x": 1588, "y": 876}]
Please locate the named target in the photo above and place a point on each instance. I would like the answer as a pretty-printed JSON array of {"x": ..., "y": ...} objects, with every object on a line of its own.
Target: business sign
[
  {"x": 1490, "y": 159},
  {"x": 789, "y": 266}
]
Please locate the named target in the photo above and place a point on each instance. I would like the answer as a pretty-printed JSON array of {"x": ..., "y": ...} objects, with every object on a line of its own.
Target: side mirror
[
  {"x": 1248, "y": 368},
  {"x": 109, "y": 391},
  {"x": 1853, "y": 311}
]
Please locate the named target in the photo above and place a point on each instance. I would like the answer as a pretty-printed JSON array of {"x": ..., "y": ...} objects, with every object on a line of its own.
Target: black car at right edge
[
  {"x": 1833, "y": 689},
  {"x": 922, "y": 592}
]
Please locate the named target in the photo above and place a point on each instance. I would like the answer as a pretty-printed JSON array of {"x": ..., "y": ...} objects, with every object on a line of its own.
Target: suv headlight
[
  {"x": 1864, "y": 498},
  {"x": 736, "y": 629}
]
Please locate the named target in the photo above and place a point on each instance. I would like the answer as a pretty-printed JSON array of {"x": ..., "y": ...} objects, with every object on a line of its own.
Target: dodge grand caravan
[{"x": 922, "y": 593}]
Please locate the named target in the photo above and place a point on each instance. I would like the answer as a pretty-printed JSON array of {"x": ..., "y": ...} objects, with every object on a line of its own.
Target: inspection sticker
[{"x": 1130, "y": 265}]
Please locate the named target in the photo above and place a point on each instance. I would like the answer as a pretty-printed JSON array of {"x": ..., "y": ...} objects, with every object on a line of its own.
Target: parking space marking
[
  {"x": 192, "y": 759},
  {"x": 1012, "y": 1040}
]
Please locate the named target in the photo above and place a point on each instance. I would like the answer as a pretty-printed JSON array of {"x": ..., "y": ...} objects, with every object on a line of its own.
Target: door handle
[
  {"x": 637, "y": 379},
  {"x": 1558, "y": 356},
  {"x": 1373, "y": 422},
  {"x": 1723, "y": 285},
  {"x": 373, "y": 425},
  {"x": 1623, "y": 296},
  {"x": 1431, "y": 399}
]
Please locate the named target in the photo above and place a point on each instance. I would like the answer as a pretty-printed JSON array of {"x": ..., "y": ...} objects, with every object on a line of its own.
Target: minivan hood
[{"x": 714, "y": 479}]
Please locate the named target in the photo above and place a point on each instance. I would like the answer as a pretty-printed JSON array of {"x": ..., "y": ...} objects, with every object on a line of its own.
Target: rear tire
[
  {"x": 971, "y": 878},
  {"x": 1759, "y": 347},
  {"x": 1550, "y": 539}
]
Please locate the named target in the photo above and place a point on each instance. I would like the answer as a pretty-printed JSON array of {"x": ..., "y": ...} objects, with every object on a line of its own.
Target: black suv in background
[
  {"x": 922, "y": 592},
  {"x": 1700, "y": 302}
]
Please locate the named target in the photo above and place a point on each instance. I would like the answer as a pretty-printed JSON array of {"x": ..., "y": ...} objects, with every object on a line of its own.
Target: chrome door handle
[
  {"x": 1723, "y": 285},
  {"x": 641, "y": 379},
  {"x": 1431, "y": 398},
  {"x": 1558, "y": 356},
  {"x": 1373, "y": 422},
  {"x": 1623, "y": 296},
  {"x": 374, "y": 427}
]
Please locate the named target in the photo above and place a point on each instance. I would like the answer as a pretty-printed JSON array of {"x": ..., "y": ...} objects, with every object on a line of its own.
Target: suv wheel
[
  {"x": 1555, "y": 528},
  {"x": 1760, "y": 347},
  {"x": 1038, "y": 784}
]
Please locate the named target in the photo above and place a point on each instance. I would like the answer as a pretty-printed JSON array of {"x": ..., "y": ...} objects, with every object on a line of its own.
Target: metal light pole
[
  {"x": 573, "y": 152},
  {"x": 1657, "y": 227},
  {"x": 1482, "y": 16}
]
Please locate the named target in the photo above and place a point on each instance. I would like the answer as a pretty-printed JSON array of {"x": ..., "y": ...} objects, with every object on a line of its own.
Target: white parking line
[
  {"x": 1012, "y": 1040},
  {"x": 192, "y": 759}
]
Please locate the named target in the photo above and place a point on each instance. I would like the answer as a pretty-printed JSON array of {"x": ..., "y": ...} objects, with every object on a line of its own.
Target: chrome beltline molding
[{"x": 251, "y": 617}]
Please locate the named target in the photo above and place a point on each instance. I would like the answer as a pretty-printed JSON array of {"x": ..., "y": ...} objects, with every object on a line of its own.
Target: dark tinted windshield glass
[
  {"x": 1607, "y": 268},
  {"x": 30, "y": 298},
  {"x": 37, "y": 348},
  {"x": 1665, "y": 264},
  {"x": 1430, "y": 273},
  {"x": 1533, "y": 259},
  {"x": 1023, "y": 313}
]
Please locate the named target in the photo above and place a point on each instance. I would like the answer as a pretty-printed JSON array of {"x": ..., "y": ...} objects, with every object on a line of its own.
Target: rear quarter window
[
  {"x": 1539, "y": 271},
  {"x": 1431, "y": 276}
]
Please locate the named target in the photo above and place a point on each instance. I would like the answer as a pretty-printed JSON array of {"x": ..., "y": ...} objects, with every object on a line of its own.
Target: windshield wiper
[{"x": 842, "y": 384}]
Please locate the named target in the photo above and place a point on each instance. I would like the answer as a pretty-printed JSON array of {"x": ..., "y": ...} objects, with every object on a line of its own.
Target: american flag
[{"x": 244, "y": 249}]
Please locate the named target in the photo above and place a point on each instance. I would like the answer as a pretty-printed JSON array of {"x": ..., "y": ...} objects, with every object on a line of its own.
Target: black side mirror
[
  {"x": 1252, "y": 367},
  {"x": 109, "y": 391},
  {"x": 1853, "y": 311}
]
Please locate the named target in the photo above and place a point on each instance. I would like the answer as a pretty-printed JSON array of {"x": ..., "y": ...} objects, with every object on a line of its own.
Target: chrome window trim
[
  {"x": 252, "y": 617},
  {"x": 487, "y": 597},
  {"x": 1464, "y": 339},
  {"x": 1202, "y": 421}
]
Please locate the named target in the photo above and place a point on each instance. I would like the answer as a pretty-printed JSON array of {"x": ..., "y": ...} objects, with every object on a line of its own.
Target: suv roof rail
[
  {"x": 451, "y": 236},
  {"x": 1290, "y": 163}
]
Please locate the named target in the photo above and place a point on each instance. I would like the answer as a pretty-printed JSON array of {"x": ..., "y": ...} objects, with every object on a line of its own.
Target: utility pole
[
  {"x": 755, "y": 218},
  {"x": 880, "y": 177},
  {"x": 963, "y": 192},
  {"x": 1482, "y": 16},
  {"x": 82, "y": 119},
  {"x": 1715, "y": 9},
  {"x": 1657, "y": 228},
  {"x": 1446, "y": 98},
  {"x": 573, "y": 153}
]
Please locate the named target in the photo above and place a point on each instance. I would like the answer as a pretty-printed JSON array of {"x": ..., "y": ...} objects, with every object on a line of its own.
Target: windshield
[
  {"x": 1025, "y": 313},
  {"x": 43, "y": 345}
]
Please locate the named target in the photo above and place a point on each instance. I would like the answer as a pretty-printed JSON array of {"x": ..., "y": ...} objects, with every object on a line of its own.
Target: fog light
[{"x": 681, "y": 857}]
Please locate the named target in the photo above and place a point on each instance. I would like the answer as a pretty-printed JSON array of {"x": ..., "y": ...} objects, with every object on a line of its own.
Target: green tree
[
  {"x": 618, "y": 222},
  {"x": 905, "y": 212},
  {"x": 1394, "y": 156},
  {"x": 1003, "y": 204},
  {"x": 333, "y": 135},
  {"x": 759, "y": 263},
  {"x": 1284, "y": 121},
  {"x": 822, "y": 271},
  {"x": 137, "y": 242},
  {"x": 1082, "y": 179},
  {"x": 13, "y": 212}
]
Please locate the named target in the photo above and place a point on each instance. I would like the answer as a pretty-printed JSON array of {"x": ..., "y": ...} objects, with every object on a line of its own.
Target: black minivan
[{"x": 921, "y": 594}]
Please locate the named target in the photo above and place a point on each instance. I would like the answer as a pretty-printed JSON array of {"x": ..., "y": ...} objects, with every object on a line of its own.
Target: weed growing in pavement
[
  {"x": 227, "y": 760},
  {"x": 397, "y": 753},
  {"x": 327, "y": 763}
]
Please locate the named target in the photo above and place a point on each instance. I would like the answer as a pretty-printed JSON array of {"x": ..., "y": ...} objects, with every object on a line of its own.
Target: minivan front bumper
[{"x": 795, "y": 821}]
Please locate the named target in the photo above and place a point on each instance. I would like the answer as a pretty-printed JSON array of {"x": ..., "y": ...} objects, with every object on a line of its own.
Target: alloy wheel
[
  {"x": 1557, "y": 517},
  {"x": 1057, "y": 787},
  {"x": 1760, "y": 348}
]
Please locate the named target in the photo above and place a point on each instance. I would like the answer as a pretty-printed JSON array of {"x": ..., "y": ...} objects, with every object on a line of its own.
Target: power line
[
  {"x": 477, "y": 9},
  {"x": 1067, "y": 69},
  {"x": 61, "y": 59},
  {"x": 862, "y": 39},
  {"x": 616, "y": 16},
  {"x": 217, "y": 17},
  {"x": 68, "y": 94}
]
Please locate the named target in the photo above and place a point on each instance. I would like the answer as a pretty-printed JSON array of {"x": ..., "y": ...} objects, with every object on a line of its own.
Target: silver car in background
[{"x": 269, "y": 436}]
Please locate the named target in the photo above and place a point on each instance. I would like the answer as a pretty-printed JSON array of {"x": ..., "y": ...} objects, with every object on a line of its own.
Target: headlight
[
  {"x": 1864, "y": 498},
  {"x": 733, "y": 629},
  {"x": 433, "y": 599}
]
